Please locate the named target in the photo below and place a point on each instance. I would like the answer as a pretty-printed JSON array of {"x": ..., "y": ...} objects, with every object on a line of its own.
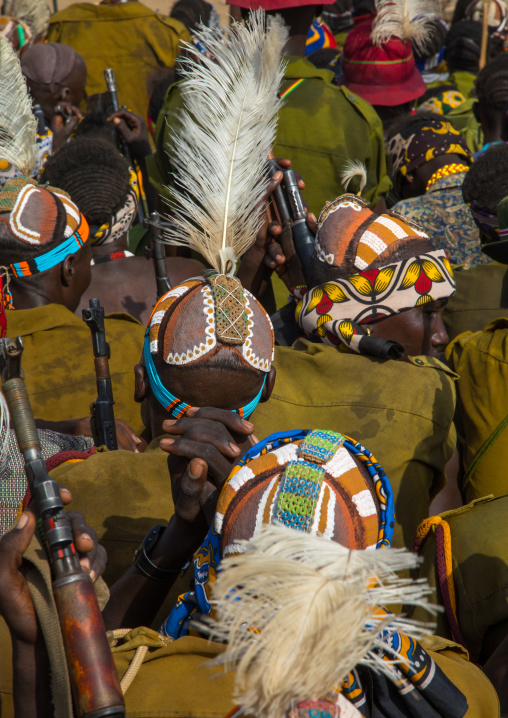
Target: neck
[
  {"x": 491, "y": 134},
  {"x": 25, "y": 297},
  {"x": 295, "y": 46},
  {"x": 118, "y": 245}
]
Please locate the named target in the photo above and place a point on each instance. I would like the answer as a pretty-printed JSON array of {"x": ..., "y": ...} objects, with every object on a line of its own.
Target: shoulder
[{"x": 472, "y": 349}]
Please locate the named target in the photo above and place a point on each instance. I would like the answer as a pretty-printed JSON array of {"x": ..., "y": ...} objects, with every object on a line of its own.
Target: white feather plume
[
  {"x": 298, "y": 613},
  {"x": 4, "y": 430},
  {"x": 405, "y": 19},
  {"x": 354, "y": 168},
  {"x": 18, "y": 126},
  {"x": 227, "y": 128},
  {"x": 35, "y": 13}
]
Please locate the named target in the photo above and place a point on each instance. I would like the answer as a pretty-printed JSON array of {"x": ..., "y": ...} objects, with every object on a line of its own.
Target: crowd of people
[{"x": 297, "y": 226}]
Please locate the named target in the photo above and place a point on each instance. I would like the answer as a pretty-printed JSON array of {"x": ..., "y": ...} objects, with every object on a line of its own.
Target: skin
[
  {"x": 421, "y": 330},
  {"x": 62, "y": 284},
  {"x": 491, "y": 122}
]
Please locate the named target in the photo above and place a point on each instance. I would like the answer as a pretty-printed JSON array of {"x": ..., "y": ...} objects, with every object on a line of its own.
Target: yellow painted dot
[{"x": 4, "y": 165}]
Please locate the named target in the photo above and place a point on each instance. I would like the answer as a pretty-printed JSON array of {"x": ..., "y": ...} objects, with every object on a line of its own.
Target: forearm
[
  {"x": 31, "y": 680},
  {"x": 135, "y": 599}
]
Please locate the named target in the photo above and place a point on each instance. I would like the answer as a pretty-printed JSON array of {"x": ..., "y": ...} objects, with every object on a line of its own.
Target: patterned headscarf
[
  {"x": 420, "y": 142},
  {"x": 121, "y": 220},
  {"x": 385, "y": 265},
  {"x": 443, "y": 102}
]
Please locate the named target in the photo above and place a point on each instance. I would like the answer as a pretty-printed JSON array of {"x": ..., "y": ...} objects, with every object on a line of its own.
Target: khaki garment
[
  {"x": 129, "y": 37},
  {"x": 122, "y": 495},
  {"x": 320, "y": 127},
  {"x": 481, "y": 360},
  {"x": 58, "y": 362},
  {"x": 481, "y": 296},
  {"x": 176, "y": 681},
  {"x": 400, "y": 411},
  {"x": 480, "y": 571}
]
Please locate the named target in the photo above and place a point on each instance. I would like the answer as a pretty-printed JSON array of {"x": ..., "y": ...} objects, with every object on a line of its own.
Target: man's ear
[
  {"x": 140, "y": 383},
  {"x": 64, "y": 93},
  {"x": 269, "y": 384},
  {"x": 68, "y": 270}
]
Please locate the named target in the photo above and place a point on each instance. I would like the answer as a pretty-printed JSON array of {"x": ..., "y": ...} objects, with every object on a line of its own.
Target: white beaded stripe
[
  {"x": 340, "y": 462},
  {"x": 373, "y": 241},
  {"x": 360, "y": 263},
  {"x": 285, "y": 453},
  {"x": 241, "y": 476},
  {"x": 234, "y": 548},
  {"x": 396, "y": 229},
  {"x": 364, "y": 503},
  {"x": 262, "y": 505}
]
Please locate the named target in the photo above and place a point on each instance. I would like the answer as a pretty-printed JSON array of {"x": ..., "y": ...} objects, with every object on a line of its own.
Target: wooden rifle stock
[
  {"x": 103, "y": 417},
  {"x": 95, "y": 686}
]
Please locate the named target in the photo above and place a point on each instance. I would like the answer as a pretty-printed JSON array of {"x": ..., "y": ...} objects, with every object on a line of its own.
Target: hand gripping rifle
[
  {"x": 109, "y": 76},
  {"x": 157, "y": 252},
  {"x": 94, "y": 681},
  {"x": 297, "y": 240},
  {"x": 103, "y": 417}
]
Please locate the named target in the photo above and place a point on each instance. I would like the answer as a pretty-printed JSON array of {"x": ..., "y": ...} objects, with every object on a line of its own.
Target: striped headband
[{"x": 121, "y": 221}]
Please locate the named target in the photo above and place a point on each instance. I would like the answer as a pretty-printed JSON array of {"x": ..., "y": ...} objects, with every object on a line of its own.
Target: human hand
[
  {"x": 63, "y": 123},
  {"x": 266, "y": 254},
  {"x": 16, "y": 605},
  {"x": 127, "y": 438},
  {"x": 132, "y": 130}
]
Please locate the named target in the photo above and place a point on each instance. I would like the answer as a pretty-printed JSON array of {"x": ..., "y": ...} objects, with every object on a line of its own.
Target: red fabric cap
[
  {"x": 275, "y": 4},
  {"x": 384, "y": 75}
]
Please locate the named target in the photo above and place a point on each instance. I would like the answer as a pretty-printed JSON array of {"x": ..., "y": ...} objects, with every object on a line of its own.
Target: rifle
[
  {"x": 102, "y": 415},
  {"x": 297, "y": 240},
  {"x": 157, "y": 252},
  {"x": 93, "y": 676},
  {"x": 109, "y": 76}
]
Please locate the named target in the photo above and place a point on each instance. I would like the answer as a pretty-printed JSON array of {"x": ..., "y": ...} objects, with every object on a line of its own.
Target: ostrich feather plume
[
  {"x": 226, "y": 129},
  {"x": 35, "y": 13},
  {"x": 298, "y": 613},
  {"x": 18, "y": 126},
  {"x": 4, "y": 430},
  {"x": 405, "y": 19},
  {"x": 353, "y": 168}
]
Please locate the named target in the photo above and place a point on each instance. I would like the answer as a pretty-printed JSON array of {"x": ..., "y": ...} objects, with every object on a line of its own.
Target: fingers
[
  {"x": 16, "y": 541},
  {"x": 123, "y": 129},
  {"x": 287, "y": 164},
  {"x": 274, "y": 255},
  {"x": 92, "y": 556},
  {"x": 218, "y": 465},
  {"x": 231, "y": 419},
  {"x": 127, "y": 437},
  {"x": 192, "y": 486},
  {"x": 312, "y": 222}
]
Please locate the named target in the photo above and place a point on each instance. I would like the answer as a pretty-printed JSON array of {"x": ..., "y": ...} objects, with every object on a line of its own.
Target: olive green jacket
[
  {"x": 59, "y": 367},
  {"x": 402, "y": 412},
  {"x": 320, "y": 127},
  {"x": 480, "y": 297},
  {"x": 122, "y": 496},
  {"x": 129, "y": 37},
  {"x": 480, "y": 572},
  {"x": 481, "y": 360}
]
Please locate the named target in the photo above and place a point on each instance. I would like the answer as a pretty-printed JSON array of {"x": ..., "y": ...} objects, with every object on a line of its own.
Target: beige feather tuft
[
  {"x": 18, "y": 126},
  {"x": 227, "y": 128},
  {"x": 405, "y": 19},
  {"x": 34, "y": 13},
  {"x": 354, "y": 168},
  {"x": 295, "y": 611}
]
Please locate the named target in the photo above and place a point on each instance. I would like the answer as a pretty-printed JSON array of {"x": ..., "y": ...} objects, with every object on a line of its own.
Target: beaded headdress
[{"x": 216, "y": 205}]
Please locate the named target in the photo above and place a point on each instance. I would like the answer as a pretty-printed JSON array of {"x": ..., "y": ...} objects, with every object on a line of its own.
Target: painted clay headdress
[
  {"x": 337, "y": 500},
  {"x": 220, "y": 180},
  {"x": 385, "y": 265}
]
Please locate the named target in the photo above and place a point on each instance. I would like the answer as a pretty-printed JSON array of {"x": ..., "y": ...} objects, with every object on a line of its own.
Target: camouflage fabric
[
  {"x": 481, "y": 360},
  {"x": 409, "y": 430},
  {"x": 129, "y": 37},
  {"x": 446, "y": 218},
  {"x": 320, "y": 127},
  {"x": 480, "y": 297},
  {"x": 58, "y": 362}
]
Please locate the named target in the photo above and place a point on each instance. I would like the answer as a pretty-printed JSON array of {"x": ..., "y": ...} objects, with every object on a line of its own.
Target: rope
[
  {"x": 444, "y": 568},
  {"x": 137, "y": 660}
]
